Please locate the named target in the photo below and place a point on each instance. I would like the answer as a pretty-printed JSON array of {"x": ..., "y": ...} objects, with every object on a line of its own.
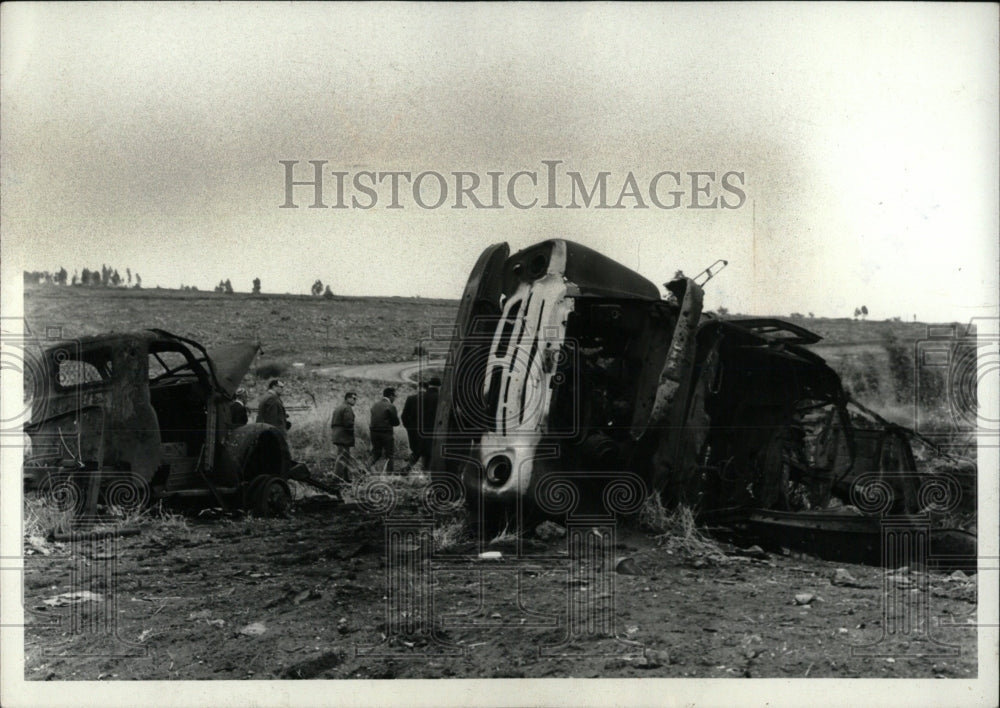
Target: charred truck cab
[
  {"x": 565, "y": 363},
  {"x": 125, "y": 419},
  {"x": 555, "y": 365}
]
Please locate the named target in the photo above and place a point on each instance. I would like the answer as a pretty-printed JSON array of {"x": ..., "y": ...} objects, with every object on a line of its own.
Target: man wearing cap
[
  {"x": 411, "y": 421},
  {"x": 383, "y": 419},
  {"x": 342, "y": 434},
  {"x": 270, "y": 408}
]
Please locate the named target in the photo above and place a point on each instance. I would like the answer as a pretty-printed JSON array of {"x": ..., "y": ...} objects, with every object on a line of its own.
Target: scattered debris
[
  {"x": 653, "y": 659},
  {"x": 627, "y": 566},
  {"x": 73, "y": 598},
  {"x": 901, "y": 580},
  {"x": 548, "y": 530},
  {"x": 37, "y": 544},
  {"x": 122, "y": 532},
  {"x": 841, "y": 577},
  {"x": 306, "y": 595},
  {"x": 254, "y": 630},
  {"x": 310, "y": 668},
  {"x": 295, "y": 596},
  {"x": 752, "y": 552}
]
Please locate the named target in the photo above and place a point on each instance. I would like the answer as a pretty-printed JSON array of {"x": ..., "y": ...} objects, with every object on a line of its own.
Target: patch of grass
[
  {"x": 42, "y": 517},
  {"x": 506, "y": 535},
  {"x": 676, "y": 530},
  {"x": 451, "y": 533}
]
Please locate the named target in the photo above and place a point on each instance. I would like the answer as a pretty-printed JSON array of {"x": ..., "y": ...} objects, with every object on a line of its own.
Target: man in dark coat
[
  {"x": 271, "y": 409},
  {"x": 238, "y": 408},
  {"x": 342, "y": 434},
  {"x": 428, "y": 412},
  {"x": 411, "y": 421},
  {"x": 383, "y": 419}
]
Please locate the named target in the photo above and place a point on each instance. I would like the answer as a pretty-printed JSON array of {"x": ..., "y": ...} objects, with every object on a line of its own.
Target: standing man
[
  {"x": 238, "y": 408},
  {"x": 271, "y": 409},
  {"x": 428, "y": 413},
  {"x": 411, "y": 421},
  {"x": 342, "y": 434},
  {"x": 383, "y": 419}
]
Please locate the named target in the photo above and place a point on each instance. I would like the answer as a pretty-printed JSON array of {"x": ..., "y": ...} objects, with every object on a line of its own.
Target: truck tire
[{"x": 270, "y": 496}]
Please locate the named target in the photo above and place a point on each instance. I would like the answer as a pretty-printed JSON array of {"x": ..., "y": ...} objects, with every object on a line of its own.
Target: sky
[{"x": 862, "y": 140}]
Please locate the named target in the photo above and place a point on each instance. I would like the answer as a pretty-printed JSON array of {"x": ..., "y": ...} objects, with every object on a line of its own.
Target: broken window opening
[{"x": 93, "y": 368}]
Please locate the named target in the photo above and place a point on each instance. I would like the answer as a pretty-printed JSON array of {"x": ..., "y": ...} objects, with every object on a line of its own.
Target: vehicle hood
[{"x": 231, "y": 363}]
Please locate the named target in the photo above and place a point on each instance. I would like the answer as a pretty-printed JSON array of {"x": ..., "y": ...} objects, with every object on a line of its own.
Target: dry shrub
[
  {"x": 677, "y": 531},
  {"x": 450, "y": 533},
  {"x": 271, "y": 369},
  {"x": 506, "y": 535},
  {"x": 42, "y": 517}
]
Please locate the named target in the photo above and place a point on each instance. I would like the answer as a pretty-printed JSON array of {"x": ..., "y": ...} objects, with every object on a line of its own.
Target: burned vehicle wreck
[
  {"x": 126, "y": 419},
  {"x": 566, "y": 364}
]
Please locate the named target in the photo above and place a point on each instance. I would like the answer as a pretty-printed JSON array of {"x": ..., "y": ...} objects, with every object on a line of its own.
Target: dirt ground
[{"x": 336, "y": 592}]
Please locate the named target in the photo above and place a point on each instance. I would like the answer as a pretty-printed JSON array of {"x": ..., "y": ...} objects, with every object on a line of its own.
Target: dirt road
[{"x": 404, "y": 371}]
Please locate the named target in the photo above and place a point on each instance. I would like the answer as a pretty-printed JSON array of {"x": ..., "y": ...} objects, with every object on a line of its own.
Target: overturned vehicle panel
[
  {"x": 566, "y": 364},
  {"x": 128, "y": 418}
]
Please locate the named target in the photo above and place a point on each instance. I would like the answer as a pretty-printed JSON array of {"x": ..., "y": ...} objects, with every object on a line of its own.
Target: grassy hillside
[{"x": 290, "y": 328}]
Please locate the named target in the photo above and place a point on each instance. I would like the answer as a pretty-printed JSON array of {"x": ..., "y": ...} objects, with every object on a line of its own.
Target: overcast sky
[{"x": 149, "y": 137}]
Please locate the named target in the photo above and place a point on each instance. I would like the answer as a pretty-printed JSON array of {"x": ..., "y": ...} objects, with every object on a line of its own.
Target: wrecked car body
[
  {"x": 563, "y": 360},
  {"x": 141, "y": 416}
]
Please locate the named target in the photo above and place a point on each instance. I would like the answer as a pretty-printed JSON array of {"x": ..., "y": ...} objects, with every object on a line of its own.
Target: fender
[{"x": 466, "y": 363}]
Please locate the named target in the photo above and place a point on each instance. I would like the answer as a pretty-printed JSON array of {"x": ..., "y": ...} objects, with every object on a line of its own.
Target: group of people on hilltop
[{"x": 417, "y": 419}]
